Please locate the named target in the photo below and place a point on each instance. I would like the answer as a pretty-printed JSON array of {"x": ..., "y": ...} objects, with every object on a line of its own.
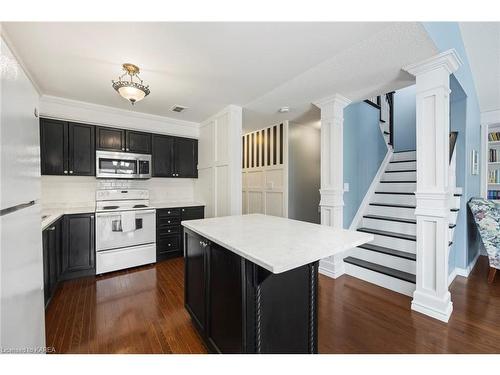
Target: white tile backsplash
[{"x": 59, "y": 191}]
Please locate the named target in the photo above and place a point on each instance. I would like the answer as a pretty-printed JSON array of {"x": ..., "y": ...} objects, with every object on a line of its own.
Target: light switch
[{"x": 346, "y": 186}]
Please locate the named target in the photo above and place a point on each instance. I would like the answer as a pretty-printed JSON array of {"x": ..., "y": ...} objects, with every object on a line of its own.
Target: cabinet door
[
  {"x": 78, "y": 253},
  {"x": 192, "y": 213},
  {"x": 163, "y": 156},
  {"x": 195, "y": 278},
  {"x": 110, "y": 139},
  {"x": 138, "y": 142},
  {"x": 186, "y": 157},
  {"x": 225, "y": 300},
  {"x": 81, "y": 149},
  {"x": 53, "y": 147},
  {"x": 46, "y": 269}
]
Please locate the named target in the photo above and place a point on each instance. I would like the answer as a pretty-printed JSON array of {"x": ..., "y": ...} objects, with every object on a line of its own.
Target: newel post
[
  {"x": 332, "y": 172},
  {"x": 432, "y": 296}
]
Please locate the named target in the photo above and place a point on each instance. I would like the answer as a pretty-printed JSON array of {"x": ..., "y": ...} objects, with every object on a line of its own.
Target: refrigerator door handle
[{"x": 15, "y": 208}]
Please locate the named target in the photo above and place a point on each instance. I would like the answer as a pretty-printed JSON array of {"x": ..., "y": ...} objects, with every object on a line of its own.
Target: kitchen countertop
[
  {"x": 274, "y": 243},
  {"x": 55, "y": 213},
  {"x": 174, "y": 204}
]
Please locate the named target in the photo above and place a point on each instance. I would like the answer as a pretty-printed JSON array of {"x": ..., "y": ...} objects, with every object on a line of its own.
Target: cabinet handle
[
  {"x": 51, "y": 229},
  {"x": 123, "y": 148},
  {"x": 168, "y": 212},
  {"x": 65, "y": 172},
  {"x": 70, "y": 172},
  {"x": 128, "y": 149},
  {"x": 169, "y": 244}
]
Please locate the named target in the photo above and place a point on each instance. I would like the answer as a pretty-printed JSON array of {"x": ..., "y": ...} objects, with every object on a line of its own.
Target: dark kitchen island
[{"x": 251, "y": 281}]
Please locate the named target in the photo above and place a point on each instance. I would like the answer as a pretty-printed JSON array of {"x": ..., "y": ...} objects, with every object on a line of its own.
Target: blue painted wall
[
  {"x": 405, "y": 119},
  {"x": 447, "y": 35},
  {"x": 364, "y": 151}
]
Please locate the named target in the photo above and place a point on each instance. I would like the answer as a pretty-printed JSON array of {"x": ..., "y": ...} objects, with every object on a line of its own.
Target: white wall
[
  {"x": 219, "y": 163},
  {"x": 79, "y": 191},
  {"x": 72, "y": 110}
]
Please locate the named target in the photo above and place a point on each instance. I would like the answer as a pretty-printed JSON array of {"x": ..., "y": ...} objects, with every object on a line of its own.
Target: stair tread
[
  {"x": 391, "y": 218},
  {"x": 403, "y": 161},
  {"x": 394, "y": 192},
  {"x": 405, "y": 276},
  {"x": 392, "y": 205},
  {"x": 398, "y": 219},
  {"x": 405, "y": 170},
  {"x": 388, "y": 234},
  {"x": 398, "y": 182},
  {"x": 389, "y": 251}
]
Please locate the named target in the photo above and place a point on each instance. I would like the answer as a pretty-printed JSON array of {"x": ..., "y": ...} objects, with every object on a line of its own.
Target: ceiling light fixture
[
  {"x": 284, "y": 110},
  {"x": 131, "y": 90}
]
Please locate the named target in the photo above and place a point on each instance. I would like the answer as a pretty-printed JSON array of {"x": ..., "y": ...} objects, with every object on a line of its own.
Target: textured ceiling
[
  {"x": 206, "y": 66},
  {"x": 482, "y": 43}
]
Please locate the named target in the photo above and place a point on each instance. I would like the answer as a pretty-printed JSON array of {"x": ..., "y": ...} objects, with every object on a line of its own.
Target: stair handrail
[
  {"x": 452, "y": 176},
  {"x": 453, "y": 142}
]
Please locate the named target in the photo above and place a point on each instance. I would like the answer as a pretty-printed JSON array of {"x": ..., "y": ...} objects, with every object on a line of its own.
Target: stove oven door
[{"x": 109, "y": 234}]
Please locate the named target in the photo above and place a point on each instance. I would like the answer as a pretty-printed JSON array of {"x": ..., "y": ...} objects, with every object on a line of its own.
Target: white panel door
[{"x": 222, "y": 191}]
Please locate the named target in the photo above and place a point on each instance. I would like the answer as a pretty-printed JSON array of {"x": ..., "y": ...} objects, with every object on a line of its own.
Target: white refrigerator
[{"x": 22, "y": 320}]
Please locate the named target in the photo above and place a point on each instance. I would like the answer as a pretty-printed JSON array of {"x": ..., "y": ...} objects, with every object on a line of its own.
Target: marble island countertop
[
  {"x": 274, "y": 243},
  {"x": 174, "y": 204}
]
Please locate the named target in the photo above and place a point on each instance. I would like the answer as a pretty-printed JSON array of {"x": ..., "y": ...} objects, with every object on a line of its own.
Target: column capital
[
  {"x": 449, "y": 60},
  {"x": 335, "y": 99}
]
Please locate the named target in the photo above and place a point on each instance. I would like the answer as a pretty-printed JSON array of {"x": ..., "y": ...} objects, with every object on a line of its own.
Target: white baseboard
[
  {"x": 331, "y": 269},
  {"x": 464, "y": 272},
  {"x": 371, "y": 190}
]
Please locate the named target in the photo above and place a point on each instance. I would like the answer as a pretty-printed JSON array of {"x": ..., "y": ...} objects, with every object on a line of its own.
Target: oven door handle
[{"x": 117, "y": 213}]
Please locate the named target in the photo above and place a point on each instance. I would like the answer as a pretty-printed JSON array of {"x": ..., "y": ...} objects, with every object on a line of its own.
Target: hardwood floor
[{"x": 141, "y": 311}]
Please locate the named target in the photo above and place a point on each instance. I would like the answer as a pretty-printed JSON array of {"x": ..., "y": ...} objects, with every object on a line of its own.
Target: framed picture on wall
[{"x": 474, "y": 162}]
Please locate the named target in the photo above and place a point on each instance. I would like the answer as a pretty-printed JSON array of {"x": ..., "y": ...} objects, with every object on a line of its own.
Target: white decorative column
[
  {"x": 432, "y": 296},
  {"x": 332, "y": 172}
]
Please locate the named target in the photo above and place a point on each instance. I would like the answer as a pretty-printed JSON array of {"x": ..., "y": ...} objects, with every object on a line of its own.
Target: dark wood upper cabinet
[
  {"x": 163, "y": 161},
  {"x": 138, "y": 142},
  {"x": 110, "y": 139},
  {"x": 81, "y": 149},
  {"x": 186, "y": 157},
  {"x": 53, "y": 147}
]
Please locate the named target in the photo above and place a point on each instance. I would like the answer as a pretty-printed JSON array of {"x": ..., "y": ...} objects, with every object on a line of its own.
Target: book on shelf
[
  {"x": 494, "y": 176},
  {"x": 494, "y": 136},
  {"x": 493, "y": 155},
  {"x": 493, "y": 194}
]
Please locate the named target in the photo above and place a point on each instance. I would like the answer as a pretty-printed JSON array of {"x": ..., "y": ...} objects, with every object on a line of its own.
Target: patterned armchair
[{"x": 487, "y": 217}]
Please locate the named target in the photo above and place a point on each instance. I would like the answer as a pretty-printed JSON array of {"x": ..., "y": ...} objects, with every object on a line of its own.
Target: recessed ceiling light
[
  {"x": 178, "y": 108},
  {"x": 284, "y": 110}
]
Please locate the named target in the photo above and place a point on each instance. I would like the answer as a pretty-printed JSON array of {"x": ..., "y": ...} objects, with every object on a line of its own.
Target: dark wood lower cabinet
[
  {"x": 52, "y": 242},
  {"x": 169, "y": 230},
  {"x": 68, "y": 251},
  {"x": 239, "y": 307}
]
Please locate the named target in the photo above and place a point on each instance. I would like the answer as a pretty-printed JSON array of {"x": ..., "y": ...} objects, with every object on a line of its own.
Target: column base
[
  {"x": 437, "y": 308},
  {"x": 332, "y": 267}
]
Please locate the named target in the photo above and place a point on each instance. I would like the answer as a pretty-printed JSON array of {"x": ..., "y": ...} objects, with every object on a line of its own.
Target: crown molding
[
  {"x": 113, "y": 111},
  {"x": 450, "y": 60},
  {"x": 490, "y": 117},
  {"x": 332, "y": 99}
]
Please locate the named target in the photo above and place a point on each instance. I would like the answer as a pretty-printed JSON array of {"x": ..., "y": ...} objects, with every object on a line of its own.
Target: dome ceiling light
[{"x": 131, "y": 90}]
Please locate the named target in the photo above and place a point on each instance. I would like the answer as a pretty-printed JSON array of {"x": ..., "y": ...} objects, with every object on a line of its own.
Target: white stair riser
[
  {"x": 395, "y": 199},
  {"x": 395, "y": 243},
  {"x": 402, "y": 264},
  {"x": 403, "y": 187},
  {"x": 409, "y": 155},
  {"x": 451, "y": 233},
  {"x": 402, "y": 166},
  {"x": 455, "y": 202},
  {"x": 379, "y": 279},
  {"x": 390, "y": 226},
  {"x": 400, "y": 176},
  {"x": 405, "y": 213},
  {"x": 453, "y": 217}
]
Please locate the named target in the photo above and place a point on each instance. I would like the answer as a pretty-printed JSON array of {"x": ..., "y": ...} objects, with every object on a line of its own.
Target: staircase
[
  {"x": 390, "y": 259},
  {"x": 384, "y": 103}
]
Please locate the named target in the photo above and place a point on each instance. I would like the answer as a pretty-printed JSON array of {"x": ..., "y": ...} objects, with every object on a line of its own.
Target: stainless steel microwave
[{"x": 111, "y": 164}]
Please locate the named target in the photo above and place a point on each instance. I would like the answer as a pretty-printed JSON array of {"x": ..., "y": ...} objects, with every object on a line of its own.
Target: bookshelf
[{"x": 494, "y": 164}]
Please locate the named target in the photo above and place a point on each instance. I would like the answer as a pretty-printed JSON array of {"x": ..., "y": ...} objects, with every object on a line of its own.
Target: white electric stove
[{"x": 125, "y": 229}]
